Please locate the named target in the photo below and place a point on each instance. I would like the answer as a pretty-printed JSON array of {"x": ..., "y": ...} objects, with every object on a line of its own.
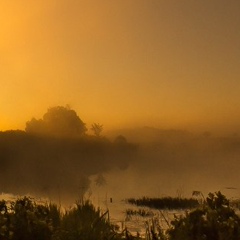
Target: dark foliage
[
  {"x": 24, "y": 219},
  {"x": 57, "y": 121},
  {"x": 139, "y": 212},
  {"x": 215, "y": 220},
  {"x": 165, "y": 202},
  {"x": 47, "y": 165}
]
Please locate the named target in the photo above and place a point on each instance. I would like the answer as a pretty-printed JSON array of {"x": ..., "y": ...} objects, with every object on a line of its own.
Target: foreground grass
[
  {"x": 24, "y": 219},
  {"x": 213, "y": 220}
]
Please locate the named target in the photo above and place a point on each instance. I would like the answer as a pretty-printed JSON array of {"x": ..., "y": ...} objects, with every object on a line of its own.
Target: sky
[{"x": 166, "y": 64}]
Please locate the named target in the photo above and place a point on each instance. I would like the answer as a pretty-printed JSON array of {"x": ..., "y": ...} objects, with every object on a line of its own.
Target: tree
[
  {"x": 97, "y": 129},
  {"x": 100, "y": 180},
  {"x": 58, "y": 121},
  {"x": 120, "y": 140},
  {"x": 35, "y": 126}
]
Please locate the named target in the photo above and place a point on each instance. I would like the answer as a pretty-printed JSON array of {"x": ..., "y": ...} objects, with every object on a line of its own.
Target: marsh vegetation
[
  {"x": 56, "y": 157},
  {"x": 24, "y": 218},
  {"x": 165, "y": 202}
]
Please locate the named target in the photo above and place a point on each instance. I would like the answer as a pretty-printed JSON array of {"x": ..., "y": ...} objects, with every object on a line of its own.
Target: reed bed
[{"x": 169, "y": 203}]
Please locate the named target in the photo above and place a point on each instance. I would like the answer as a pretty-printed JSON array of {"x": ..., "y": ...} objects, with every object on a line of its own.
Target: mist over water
[
  {"x": 57, "y": 159},
  {"x": 56, "y": 167},
  {"x": 176, "y": 162}
]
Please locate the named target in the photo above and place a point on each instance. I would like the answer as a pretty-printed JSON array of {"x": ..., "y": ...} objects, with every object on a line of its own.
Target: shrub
[
  {"x": 214, "y": 220},
  {"x": 24, "y": 219}
]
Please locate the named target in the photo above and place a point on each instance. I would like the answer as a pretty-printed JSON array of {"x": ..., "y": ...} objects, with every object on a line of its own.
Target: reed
[
  {"x": 28, "y": 220},
  {"x": 165, "y": 203}
]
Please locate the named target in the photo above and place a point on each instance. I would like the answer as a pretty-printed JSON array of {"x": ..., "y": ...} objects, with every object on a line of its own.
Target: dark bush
[{"x": 214, "y": 220}]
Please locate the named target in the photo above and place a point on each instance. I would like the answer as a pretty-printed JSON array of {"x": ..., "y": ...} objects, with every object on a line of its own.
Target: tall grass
[{"x": 24, "y": 219}]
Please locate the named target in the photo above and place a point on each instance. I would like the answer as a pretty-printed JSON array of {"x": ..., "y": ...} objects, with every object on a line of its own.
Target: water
[{"x": 135, "y": 224}]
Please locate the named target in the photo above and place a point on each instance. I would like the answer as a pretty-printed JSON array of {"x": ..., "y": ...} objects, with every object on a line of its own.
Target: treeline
[
  {"x": 43, "y": 164},
  {"x": 165, "y": 202},
  {"x": 55, "y": 156}
]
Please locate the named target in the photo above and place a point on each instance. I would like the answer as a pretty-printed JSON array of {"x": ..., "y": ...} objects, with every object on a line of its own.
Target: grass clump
[
  {"x": 86, "y": 223},
  {"x": 139, "y": 212},
  {"x": 165, "y": 202}
]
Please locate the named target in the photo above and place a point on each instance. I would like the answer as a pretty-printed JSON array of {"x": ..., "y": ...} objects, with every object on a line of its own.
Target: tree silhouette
[
  {"x": 58, "y": 121},
  {"x": 100, "y": 180},
  {"x": 120, "y": 140},
  {"x": 97, "y": 129}
]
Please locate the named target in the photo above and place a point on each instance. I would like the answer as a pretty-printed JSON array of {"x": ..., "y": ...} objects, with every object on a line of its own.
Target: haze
[
  {"x": 164, "y": 74},
  {"x": 123, "y": 63},
  {"x": 56, "y": 157}
]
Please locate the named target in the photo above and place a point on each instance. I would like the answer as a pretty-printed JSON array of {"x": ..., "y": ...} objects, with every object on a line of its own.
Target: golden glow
[{"x": 121, "y": 63}]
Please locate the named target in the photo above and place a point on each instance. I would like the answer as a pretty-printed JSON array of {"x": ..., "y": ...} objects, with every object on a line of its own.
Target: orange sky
[{"x": 121, "y": 62}]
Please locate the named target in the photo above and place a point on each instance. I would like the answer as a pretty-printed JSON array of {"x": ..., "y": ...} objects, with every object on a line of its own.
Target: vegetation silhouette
[
  {"x": 97, "y": 129},
  {"x": 55, "y": 156},
  {"x": 214, "y": 220},
  {"x": 28, "y": 220},
  {"x": 165, "y": 202},
  {"x": 58, "y": 121}
]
